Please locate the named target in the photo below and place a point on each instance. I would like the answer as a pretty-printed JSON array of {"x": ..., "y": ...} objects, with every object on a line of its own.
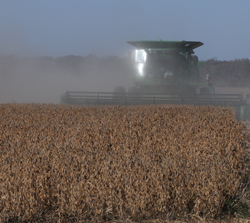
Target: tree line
[{"x": 234, "y": 73}]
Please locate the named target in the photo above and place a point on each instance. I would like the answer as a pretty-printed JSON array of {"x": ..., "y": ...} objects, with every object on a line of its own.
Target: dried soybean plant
[{"x": 114, "y": 162}]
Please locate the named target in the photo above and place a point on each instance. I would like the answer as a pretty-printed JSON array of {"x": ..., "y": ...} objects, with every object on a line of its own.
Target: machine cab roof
[{"x": 159, "y": 45}]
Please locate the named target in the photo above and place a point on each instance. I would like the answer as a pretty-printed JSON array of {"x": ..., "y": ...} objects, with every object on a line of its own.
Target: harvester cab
[{"x": 169, "y": 67}]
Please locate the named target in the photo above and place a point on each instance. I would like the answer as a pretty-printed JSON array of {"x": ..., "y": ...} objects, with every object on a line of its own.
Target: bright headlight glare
[
  {"x": 140, "y": 69},
  {"x": 140, "y": 56}
]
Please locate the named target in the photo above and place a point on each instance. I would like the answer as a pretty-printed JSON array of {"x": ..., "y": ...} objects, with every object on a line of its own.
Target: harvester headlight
[
  {"x": 140, "y": 69},
  {"x": 140, "y": 56}
]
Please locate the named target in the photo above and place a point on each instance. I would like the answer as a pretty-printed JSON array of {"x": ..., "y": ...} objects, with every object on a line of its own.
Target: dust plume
[{"x": 45, "y": 79}]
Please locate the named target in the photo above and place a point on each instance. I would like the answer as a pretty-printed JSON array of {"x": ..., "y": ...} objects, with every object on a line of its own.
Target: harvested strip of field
[{"x": 117, "y": 162}]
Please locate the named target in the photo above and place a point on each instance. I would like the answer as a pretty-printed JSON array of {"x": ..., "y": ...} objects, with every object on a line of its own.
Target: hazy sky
[{"x": 102, "y": 27}]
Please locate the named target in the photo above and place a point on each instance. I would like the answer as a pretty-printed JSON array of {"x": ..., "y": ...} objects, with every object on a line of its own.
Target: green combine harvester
[{"x": 166, "y": 72}]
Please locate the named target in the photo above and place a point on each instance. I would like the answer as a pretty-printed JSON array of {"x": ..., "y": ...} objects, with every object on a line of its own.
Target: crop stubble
[{"x": 117, "y": 162}]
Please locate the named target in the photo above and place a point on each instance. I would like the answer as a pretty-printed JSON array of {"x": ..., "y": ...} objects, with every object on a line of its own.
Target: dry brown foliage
[{"x": 117, "y": 162}]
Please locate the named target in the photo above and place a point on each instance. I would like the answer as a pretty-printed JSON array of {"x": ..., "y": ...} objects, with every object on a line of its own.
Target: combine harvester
[{"x": 166, "y": 72}]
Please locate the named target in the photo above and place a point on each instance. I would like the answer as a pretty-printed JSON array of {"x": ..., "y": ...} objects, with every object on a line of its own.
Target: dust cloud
[{"x": 45, "y": 79}]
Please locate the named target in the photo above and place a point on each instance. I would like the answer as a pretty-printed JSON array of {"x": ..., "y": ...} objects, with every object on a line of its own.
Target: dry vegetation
[{"x": 101, "y": 163}]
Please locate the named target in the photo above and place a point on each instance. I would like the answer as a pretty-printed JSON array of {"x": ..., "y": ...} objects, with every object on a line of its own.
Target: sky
[{"x": 102, "y": 27}]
